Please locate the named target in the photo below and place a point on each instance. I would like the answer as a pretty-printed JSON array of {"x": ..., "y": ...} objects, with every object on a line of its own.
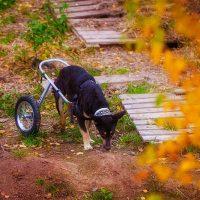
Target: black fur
[{"x": 80, "y": 87}]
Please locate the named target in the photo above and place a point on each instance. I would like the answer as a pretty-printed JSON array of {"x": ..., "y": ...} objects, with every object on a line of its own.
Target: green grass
[
  {"x": 94, "y": 71},
  {"x": 120, "y": 71},
  {"x": 193, "y": 149},
  {"x": 40, "y": 181},
  {"x": 97, "y": 140},
  {"x": 138, "y": 89},
  {"x": 71, "y": 135},
  {"x": 126, "y": 124},
  {"x": 160, "y": 99},
  {"x": 130, "y": 138},
  {"x": 20, "y": 54},
  {"x": 37, "y": 91},
  {"x": 114, "y": 101},
  {"x": 3, "y": 53},
  {"x": 56, "y": 188},
  {"x": 49, "y": 28},
  {"x": 19, "y": 153},
  {"x": 8, "y": 38},
  {"x": 11, "y": 19},
  {"x": 101, "y": 194},
  {"x": 4, "y": 4},
  {"x": 7, "y": 102},
  {"x": 34, "y": 140},
  {"x": 104, "y": 86},
  {"x": 167, "y": 124}
]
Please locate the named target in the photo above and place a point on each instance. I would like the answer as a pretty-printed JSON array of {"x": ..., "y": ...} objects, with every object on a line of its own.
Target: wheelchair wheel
[{"x": 27, "y": 115}]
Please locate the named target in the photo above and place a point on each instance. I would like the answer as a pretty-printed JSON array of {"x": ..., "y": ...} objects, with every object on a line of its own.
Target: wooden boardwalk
[
  {"x": 93, "y": 22},
  {"x": 143, "y": 111}
]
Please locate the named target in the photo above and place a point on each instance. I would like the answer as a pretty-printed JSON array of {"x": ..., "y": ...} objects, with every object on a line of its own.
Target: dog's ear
[{"x": 118, "y": 115}]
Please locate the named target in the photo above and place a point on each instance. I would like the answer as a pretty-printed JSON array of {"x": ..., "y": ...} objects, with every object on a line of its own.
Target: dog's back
[{"x": 70, "y": 79}]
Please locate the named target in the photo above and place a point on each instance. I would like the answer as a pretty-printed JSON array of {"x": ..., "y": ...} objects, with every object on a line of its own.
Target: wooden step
[{"x": 143, "y": 111}]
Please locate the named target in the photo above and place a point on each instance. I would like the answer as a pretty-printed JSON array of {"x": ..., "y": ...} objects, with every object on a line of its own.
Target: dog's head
[{"x": 106, "y": 127}]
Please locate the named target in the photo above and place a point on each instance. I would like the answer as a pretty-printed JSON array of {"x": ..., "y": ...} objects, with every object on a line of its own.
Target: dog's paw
[{"x": 87, "y": 147}]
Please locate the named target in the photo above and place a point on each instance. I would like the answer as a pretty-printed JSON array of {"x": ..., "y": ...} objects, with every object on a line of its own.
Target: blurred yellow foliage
[{"x": 149, "y": 17}]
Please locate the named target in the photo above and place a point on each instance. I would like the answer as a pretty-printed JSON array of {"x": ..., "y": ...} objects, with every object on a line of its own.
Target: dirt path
[{"x": 80, "y": 174}]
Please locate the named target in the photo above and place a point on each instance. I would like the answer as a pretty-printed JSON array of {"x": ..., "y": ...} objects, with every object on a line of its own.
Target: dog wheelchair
[{"x": 27, "y": 109}]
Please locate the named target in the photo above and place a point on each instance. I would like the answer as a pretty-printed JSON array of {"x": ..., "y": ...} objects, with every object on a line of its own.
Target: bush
[
  {"x": 51, "y": 27},
  {"x": 4, "y": 4}
]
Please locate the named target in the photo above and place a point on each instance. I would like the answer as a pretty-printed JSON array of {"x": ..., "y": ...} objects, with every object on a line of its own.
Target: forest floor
[{"x": 53, "y": 164}]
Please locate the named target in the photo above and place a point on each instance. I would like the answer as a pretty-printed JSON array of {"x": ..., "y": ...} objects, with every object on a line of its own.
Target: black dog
[{"x": 89, "y": 104}]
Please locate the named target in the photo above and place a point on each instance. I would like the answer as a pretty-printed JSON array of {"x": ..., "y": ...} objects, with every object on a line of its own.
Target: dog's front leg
[
  {"x": 85, "y": 134},
  {"x": 87, "y": 125}
]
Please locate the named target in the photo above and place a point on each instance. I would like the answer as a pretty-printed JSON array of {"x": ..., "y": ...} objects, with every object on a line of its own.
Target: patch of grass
[
  {"x": 101, "y": 194},
  {"x": 160, "y": 99},
  {"x": 121, "y": 71},
  {"x": 97, "y": 140},
  {"x": 192, "y": 149},
  {"x": 40, "y": 181},
  {"x": 104, "y": 86},
  {"x": 126, "y": 124},
  {"x": 51, "y": 188},
  {"x": 168, "y": 123},
  {"x": 7, "y": 102},
  {"x": 8, "y": 38},
  {"x": 114, "y": 102},
  {"x": 19, "y": 153},
  {"x": 4, "y": 4},
  {"x": 138, "y": 89},
  {"x": 94, "y": 71},
  {"x": 37, "y": 91},
  {"x": 20, "y": 54},
  {"x": 51, "y": 27},
  {"x": 34, "y": 140},
  {"x": 72, "y": 134},
  {"x": 3, "y": 53},
  {"x": 130, "y": 138},
  {"x": 11, "y": 19},
  {"x": 57, "y": 188}
]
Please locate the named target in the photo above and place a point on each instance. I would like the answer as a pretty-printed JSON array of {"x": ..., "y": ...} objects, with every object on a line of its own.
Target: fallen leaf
[{"x": 79, "y": 153}]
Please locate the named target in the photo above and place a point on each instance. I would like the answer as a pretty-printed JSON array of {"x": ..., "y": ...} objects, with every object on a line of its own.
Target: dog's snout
[
  {"x": 107, "y": 148},
  {"x": 107, "y": 144}
]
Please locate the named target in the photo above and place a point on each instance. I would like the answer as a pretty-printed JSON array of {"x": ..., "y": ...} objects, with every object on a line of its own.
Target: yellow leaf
[{"x": 162, "y": 172}]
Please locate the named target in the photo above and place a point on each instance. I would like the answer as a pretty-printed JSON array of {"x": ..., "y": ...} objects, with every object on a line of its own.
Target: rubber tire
[{"x": 37, "y": 116}]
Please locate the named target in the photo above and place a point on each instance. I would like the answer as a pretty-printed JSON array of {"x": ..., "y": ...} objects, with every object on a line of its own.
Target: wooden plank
[
  {"x": 93, "y": 13},
  {"x": 144, "y": 122},
  {"x": 140, "y": 105},
  {"x": 95, "y": 32},
  {"x": 148, "y": 127},
  {"x": 138, "y": 96},
  {"x": 82, "y": 8},
  {"x": 156, "y": 115},
  {"x": 133, "y": 100},
  {"x": 82, "y": 3},
  {"x": 109, "y": 41},
  {"x": 117, "y": 78},
  {"x": 98, "y": 20},
  {"x": 158, "y": 138},
  {"x": 158, "y": 132},
  {"x": 101, "y": 37},
  {"x": 145, "y": 110}
]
